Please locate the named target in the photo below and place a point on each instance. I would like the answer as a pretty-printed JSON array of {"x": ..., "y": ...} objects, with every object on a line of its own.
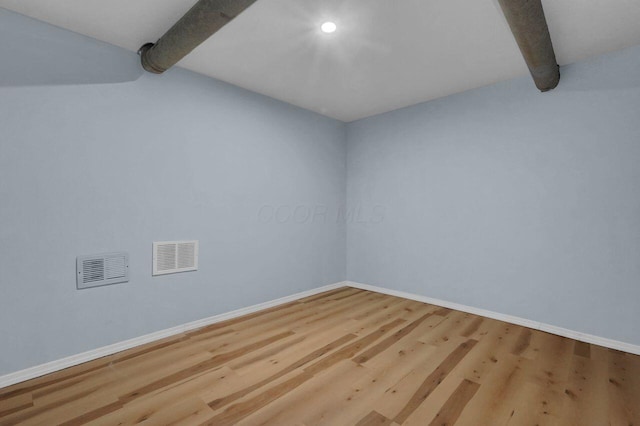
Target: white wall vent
[
  {"x": 102, "y": 269},
  {"x": 175, "y": 256}
]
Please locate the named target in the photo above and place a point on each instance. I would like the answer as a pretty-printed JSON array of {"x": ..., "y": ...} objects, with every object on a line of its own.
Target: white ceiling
[{"x": 386, "y": 54}]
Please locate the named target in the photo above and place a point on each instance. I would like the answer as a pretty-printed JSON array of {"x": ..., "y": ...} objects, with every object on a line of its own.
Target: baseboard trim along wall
[
  {"x": 53, "y": 366},
  {"x": 583, "y": 337},
  {"x": 61, "y": 364}
]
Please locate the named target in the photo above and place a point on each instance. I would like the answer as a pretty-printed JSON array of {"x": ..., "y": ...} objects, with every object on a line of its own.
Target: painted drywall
[
  {"x": 507, "y": 199},
  {"x": 499, "y": 198},
  {"x": 92, "y": 168}
]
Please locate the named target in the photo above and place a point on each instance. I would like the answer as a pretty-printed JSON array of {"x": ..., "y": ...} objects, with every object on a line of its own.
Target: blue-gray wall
[
  {"x": 500, "y": 198},
  {"x": 510, "y": 200},
  {"x": 93, "y": 168}
]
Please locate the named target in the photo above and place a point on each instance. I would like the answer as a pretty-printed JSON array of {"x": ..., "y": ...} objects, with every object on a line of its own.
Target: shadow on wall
[{"x": 45, "y": 55}]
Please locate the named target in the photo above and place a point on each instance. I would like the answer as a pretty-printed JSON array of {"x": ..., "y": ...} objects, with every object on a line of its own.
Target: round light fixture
[{"x": 328, "y": 27}]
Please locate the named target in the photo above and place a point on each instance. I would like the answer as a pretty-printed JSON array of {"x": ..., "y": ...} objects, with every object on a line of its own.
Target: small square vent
[
  {"x": 102, "y": 269},
  {"x": 175, "y": 256}
]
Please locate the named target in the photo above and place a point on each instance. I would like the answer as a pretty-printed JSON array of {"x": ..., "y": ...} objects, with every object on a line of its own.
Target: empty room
[{"x": 320, "y": 212}]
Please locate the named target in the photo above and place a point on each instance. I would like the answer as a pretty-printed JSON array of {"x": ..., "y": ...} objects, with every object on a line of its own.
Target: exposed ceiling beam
[
  {"x": 525, "y": 17},
  {"x": 198, "y": 24},
  {"x": 529, "y": 27}
]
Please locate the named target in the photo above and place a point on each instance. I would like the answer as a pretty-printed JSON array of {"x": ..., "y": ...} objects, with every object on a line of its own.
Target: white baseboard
[
  {"x": 53, "y": 366},
  {"x": 50, "y": 367},
  {"x": 583, "y": 337}
]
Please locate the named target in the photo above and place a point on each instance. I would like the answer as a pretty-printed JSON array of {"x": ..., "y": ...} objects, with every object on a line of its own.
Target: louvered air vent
[
  {"x": 175, "y": 256},
  {"x": 102, "y": 269}
]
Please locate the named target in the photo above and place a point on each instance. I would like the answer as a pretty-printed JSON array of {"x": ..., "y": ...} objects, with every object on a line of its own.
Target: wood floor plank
[
  {"x": 316, "y": 401},
  {"x": 523, "y": 342},
  {"x": 182, "y": 411},
  {"x": 624, "y": 389},
  {"x": 389, "y": 341},
  {"x": 551, "y": 374},
  {"x": 496, "y": 344},
  {"x": 443, "y": 393},
  {"x": 586, "y": 400},
  {"x": 238, "y": 411},
  {"x": 396, "y": 395},
  {"x": 17, "y": 403},
  {"x": 342, "y": 314},
  {"x": 517, "y": 388},
  {"x": 80, "y": 371},
  {"x": 472, "y": 327},
  {"x": 452, "y": 325},
  {"x": 215, "y": 361},
  {"x": 144, "y": 407},
  {"x": 434, "y": 379},
  {"x": 451, "y": 410},
  {"x": 353, "y": 348},
  {"x": 343, "y": 357},
  {"x": 582, "y": 349},
  {"x": 255, "y": 364},
  {"x": 320, "y": 412},
  {"x": 358, "y": 398},
  {"x": 385, "y": 305},
  {"x": 221, "y": 402},
  {"x": 430, "y": 407},
  {"x": 374, "y": 419},
  {"x": 62, "y": 411},
  {"x": 188, "y": 412},
  {"x": 488, "y": 403}
]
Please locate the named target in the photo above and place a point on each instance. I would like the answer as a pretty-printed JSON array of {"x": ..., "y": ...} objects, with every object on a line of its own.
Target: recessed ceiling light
[{"x": 328, "y": 27}]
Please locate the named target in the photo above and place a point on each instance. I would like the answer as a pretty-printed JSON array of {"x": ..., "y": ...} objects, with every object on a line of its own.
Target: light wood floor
[{"x": 346, "y": 357}]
